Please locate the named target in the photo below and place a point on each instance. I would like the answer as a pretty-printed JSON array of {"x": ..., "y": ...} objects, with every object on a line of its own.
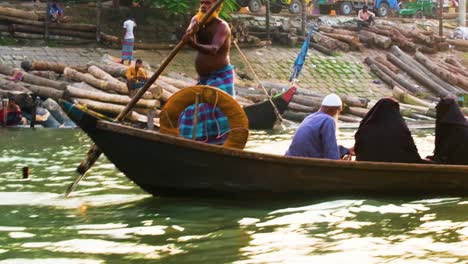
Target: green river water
[{"x": 110, "y": 220}]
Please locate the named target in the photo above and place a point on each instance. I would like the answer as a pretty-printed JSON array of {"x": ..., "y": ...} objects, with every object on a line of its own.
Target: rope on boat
[{"x": 277, "y": 113}]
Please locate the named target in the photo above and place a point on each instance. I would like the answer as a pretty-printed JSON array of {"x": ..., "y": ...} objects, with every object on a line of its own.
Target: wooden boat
[
  {"x": 165, "y": 165},
  {"x": 262, "y": 115}
]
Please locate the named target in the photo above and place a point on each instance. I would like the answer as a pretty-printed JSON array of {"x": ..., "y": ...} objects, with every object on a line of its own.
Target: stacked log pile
[{"x": 347, "y": 37}]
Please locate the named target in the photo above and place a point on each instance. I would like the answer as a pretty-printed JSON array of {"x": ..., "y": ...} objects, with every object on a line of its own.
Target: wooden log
[
  {"x": 366, "y": 38},
  {"x": 353, "y": 41},
  {"x": 408, "y": 59},
  {"x": 417, "y": 75},
  {"x": 356, "y": 111},
  {"x": 43, "y": 91},
  {"x": 54, "y": 108},
  {"x": 85, "y": 86},
  {"x": 112, "y": 70},
  {"x": 32, "y": 79},
  {"x": 387, "y": 64},
  {"x": 302, "y": 108},
  {"x": 443, "y": 74},
  {"x": 322, "y": 49},
  {"x": 48, "y": 66},
  {"x": 177, "y": 83},
  {"x": 110, "y": 98},
  {"x": 60, "y": 32},
  {"x": 331, "y": 43},
  {"x": 382, "y": 75},
  {"x": 455, "y": 62},
  {"x": 328, "y": 29},
  {"x": 458, "y": 43},
  {"x": 62, "y": 39},
  {"x": 379, "y": 40},
  {"x": 165, "y": 95},
  {"x": 68, "y": 26},
  {"x": 13, "y": 12},
  {"x": 452, "y": 68},
  {"x": 400, "y": 80},
  {"x": 12, "y": 86},
  {"x": 104, "y": 108},
  {"x": 351, "y": 100},
  {"x": 307, "y": 101},
  {"x": 407, "y": 98},
  {"x": 294, "y": 116}
]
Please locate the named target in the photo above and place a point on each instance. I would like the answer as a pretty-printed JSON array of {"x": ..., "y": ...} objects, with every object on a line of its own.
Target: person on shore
[
  {"x": 128, "y": 40},
  {"x": 316, "y": 135},
  {"x": 136, "y": 77},
  {"x": 451, "y": 134},
  {"x": 55, "y": 12},
  {"x": 365, "y": 18},
  {"x": 213, "y": 44},
  {"x": 384, "y": 136},
  {"x": 13, "y": 112}
]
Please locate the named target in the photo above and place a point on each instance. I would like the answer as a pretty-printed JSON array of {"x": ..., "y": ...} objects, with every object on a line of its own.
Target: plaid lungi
[
  {"x": 212, "y": 124},
  {"x": 127, "y": 49},
  {"x": 222, "y": 79}
]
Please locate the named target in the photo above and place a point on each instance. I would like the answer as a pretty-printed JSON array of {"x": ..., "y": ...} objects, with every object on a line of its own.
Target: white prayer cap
[{"x": 332, "y": 100}]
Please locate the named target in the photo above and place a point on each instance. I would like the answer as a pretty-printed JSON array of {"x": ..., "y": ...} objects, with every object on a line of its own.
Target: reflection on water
[{"x": 109, "y": 220}]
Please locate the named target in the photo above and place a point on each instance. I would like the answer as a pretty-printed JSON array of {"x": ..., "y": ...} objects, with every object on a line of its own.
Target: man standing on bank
[
  {"x": 128, "y": 40},
  {"x": 213, "y": 43},
  {"x": 316, "y": 136}
]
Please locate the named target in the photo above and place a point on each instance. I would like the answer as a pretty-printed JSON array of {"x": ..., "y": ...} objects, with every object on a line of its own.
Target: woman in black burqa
[
  {"x": 451, "y": 134},
  {"x": 383, "y": 135}
]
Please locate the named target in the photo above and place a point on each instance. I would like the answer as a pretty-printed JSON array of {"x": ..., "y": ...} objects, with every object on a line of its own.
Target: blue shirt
[{"x": 316, "y": 138}]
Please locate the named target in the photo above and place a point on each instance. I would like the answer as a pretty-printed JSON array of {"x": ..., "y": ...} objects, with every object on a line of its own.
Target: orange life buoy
[{"x": 238, "y": 122}]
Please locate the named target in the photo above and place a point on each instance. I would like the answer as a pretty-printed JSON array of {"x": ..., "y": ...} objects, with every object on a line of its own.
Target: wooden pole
[
  {"x": 462, "y": 13},
  {"x": 195, "y": 117},
  {"x": 98, "y": 20},
  {"x": 441, "y": 17},
  {"x": 94, "y": 152},
  {"x": 4, "y": 111},
  {"x": 46, "y": 22},
  {"x": 303, "y": 18},
  {"x": 267, "y": 18}
]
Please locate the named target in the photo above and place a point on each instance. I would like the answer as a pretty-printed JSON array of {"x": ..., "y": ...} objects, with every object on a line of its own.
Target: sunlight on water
[{"x": 110, "y": 220}]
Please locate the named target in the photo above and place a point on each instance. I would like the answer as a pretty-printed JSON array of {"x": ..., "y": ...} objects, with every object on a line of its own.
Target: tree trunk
[
  {"x": 32, "y": 79},
  {"x": 180, "y": 77},
  {"x": 48, "y": 66},
  {"x": 329, "y": 29},
  {"x": 60, "y": 32},
  {"x": 67, "y": 26},
  {"x": 22, "y": 99},
  {"x": 307, "y": 100},
  {"x": 109, "y": 108},
  {"x": 401, "y": 81},
  {"x": 356, "y": 111},
  {"x": 387, "y": 64},
  {"x": 302, "y": 108},
  {"x": 349, "y": 118},
  {"x": 12, "y": 86},
  {"x": 443, "y": 74},
  {"x": 417, "y": 75},
  {"x": 112, "y": 70},
  {"x": 13, "y": 12},
  {"x": 351, "y": 40},
  {"x": 330, "y": 43},
  {"x": 57, "y": 112},
  {"x": 43, "y": 91},
  {"x": 294, "y": 116},
  {"x": 110, "y": 98},
  {"x": 177, "y": 83},
  {"x": 322, "y": 49},
  {"x": 454, "y": 62},
  {"x": 120, "y": 87},
  {"x": 408, "y": 59},
  {"x": 350, "y": 100},
  {"x": 366, "y": 38},
  {"x": 407, "y": 98}
]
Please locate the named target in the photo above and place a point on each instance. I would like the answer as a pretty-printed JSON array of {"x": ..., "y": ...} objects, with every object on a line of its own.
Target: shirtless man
[{"x": 213, "y": 43}]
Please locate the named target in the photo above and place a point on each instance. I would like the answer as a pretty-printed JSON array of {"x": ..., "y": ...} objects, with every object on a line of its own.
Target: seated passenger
[
  {"x": 451, "y": 134},
  {"x": 136, "y": 77},
  {"x": 365, "y": 18},
  {"x": 55, "y": 12},
  {"x": 316, "y": 136},
  {"x": 13, "y": 112},
  {"x": 383, "y": 135}
]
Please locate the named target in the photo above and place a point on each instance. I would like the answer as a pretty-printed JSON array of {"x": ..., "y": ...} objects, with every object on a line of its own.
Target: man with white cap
[{"x": 316, "y": 136}]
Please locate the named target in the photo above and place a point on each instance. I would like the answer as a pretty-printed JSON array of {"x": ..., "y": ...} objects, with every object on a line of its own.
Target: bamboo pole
[{"x": 94, "y": 152}]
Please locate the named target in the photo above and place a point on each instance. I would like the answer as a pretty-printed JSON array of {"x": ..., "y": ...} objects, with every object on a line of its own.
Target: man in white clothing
[
  {"x": 365, "y": 18},
  {"x": 128, "y": 40}
]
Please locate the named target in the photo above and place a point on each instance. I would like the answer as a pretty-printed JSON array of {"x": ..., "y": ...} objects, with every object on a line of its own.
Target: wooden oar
[{"x": 95, "y": 152}]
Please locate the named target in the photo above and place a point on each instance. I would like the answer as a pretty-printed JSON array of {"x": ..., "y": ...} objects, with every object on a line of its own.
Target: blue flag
[{"x": 299, "y": 63}]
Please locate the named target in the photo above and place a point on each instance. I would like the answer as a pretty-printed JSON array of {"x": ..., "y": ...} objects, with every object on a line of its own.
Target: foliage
[{"x": 190, "y": 6}]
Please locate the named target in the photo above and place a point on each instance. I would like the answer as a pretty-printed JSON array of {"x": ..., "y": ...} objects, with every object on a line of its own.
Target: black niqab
[
  {"x": 383, "y": 136},
  {"x": 451, "y": 139}
]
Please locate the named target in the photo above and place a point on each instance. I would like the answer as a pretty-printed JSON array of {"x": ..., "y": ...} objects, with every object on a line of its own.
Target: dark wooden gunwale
[{"x": 313, "y": 162}]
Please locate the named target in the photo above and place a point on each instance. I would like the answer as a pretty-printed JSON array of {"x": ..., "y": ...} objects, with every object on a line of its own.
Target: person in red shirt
[
  {"x": 365, "y": 18},
  {"x": 13, "y": 113}
]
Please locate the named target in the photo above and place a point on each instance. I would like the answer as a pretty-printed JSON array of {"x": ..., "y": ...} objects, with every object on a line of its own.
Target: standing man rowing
[{"x": 213, "y": 43}]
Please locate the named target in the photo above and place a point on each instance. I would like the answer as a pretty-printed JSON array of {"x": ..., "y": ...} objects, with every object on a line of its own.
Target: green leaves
[{"x": 190, "y": 6}]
